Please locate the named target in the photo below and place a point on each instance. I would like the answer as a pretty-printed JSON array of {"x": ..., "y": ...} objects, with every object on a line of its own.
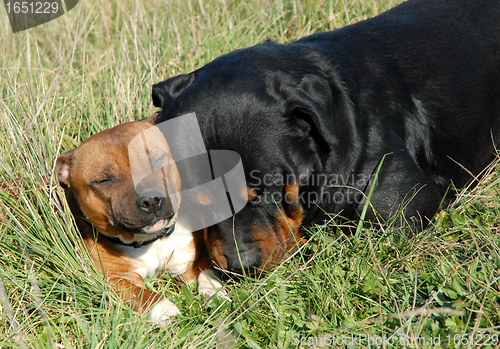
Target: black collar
[{"x": 137, "y": 244}]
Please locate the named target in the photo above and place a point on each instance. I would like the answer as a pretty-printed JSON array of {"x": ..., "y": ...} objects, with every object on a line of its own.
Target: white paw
[
  {"x": 163, "y": 311},
  {"x": 210, "y": 286}
]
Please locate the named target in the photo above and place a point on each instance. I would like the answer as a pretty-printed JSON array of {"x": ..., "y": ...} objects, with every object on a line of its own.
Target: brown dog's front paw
[{"x": 163, "y": 311}]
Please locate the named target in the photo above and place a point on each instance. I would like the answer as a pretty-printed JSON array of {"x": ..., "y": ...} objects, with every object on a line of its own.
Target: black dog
[{"x": 312, "y": 121}]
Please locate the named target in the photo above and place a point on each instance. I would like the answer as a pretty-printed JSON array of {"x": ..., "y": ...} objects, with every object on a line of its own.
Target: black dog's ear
[
  {"x": 164, "y": 92},
  {"x": 308, "y": 121},
  {"x": 309, "y": 102}
]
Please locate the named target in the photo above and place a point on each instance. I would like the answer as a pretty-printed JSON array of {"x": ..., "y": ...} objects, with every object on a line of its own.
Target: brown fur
[{"x": 96, "y": 208}]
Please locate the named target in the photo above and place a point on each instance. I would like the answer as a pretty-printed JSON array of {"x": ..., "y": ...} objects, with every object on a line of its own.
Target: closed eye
[
  {"x": 160, "y": 162},
  {"x": 107, "y": 180}
]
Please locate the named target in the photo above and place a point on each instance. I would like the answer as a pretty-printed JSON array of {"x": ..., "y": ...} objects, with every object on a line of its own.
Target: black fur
[{"x": 420, "y": 82}]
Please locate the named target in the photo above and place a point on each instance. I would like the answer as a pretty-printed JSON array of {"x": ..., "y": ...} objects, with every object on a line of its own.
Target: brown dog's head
[{"x": 124, "y": 181}]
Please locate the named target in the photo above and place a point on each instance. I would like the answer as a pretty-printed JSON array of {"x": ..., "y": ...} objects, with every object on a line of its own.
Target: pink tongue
[{"x": 158, "y": 224}]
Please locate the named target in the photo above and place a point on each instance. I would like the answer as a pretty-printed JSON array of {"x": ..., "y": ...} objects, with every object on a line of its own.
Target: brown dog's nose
[{"x": 149, "y": 204}]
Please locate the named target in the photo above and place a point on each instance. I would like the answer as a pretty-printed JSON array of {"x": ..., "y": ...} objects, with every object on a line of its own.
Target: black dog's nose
[
  {"x": 244, "y": 261},
  {"x": 149, "y": 204}
]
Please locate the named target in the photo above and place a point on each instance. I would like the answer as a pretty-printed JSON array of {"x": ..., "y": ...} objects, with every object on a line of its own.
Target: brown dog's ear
[{"x": 63, "y": 167}]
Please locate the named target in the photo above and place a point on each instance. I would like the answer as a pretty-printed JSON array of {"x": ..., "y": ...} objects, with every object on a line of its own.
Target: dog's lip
[
  {"x": 156, "y": 225},
  {"x": 159, "y": 225}
]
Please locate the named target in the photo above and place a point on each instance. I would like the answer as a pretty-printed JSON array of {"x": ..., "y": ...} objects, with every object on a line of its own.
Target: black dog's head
[{"x": 277, "y": 116}]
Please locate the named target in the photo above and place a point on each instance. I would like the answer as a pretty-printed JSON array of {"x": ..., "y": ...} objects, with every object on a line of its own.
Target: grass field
[{"x": 93, "y": 68}]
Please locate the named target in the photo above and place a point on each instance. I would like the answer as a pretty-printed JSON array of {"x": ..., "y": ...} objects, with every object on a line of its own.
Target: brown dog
[{"x": 135, "y": 232}]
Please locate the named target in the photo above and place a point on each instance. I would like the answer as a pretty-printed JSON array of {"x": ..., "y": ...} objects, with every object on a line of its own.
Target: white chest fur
[{"x": 175, "y": 253}]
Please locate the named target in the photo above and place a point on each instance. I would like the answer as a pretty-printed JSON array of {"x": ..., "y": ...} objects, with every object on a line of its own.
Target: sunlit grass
[{"x": 93, "y": 68}]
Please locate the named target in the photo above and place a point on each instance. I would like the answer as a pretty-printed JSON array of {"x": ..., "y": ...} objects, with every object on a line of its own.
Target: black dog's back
[{"x": 426, "y": 72}]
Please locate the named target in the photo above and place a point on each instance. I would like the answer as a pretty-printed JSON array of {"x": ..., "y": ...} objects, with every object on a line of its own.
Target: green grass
[{"x": 93, "y": 68}]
